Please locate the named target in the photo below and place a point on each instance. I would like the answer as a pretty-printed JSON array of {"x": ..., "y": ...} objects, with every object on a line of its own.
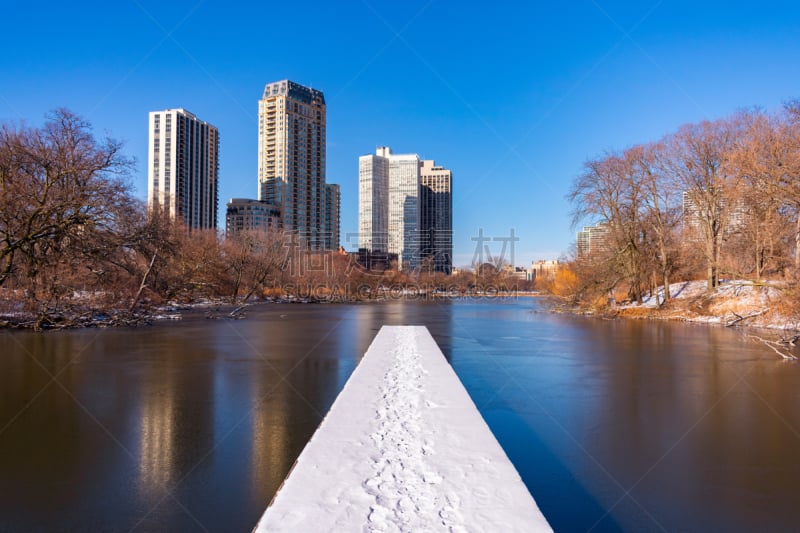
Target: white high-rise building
[
  {"x": 183, "y": 167},
  {"x": 373, "y": 201},
  {"x": 405, "y": 208},
  {"x": 291, "y": 158},
  {"x": 594, "y": 239}
]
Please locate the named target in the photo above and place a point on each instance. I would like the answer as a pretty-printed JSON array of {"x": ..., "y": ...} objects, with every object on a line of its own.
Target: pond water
[{"x": 193, "y": 425}]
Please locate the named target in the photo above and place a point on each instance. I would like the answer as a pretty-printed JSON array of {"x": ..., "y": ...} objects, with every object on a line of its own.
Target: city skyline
[{"x": 516, "y": 111}]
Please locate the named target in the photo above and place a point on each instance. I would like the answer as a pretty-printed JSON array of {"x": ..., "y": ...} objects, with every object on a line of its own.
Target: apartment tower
[
  {"x": 403, "y": 208},
  {"x": 435, "y": 217},
  {"x": 183, "y": 167},
  {"x": 373, "y": 201},
  {"x": 291, "y": 158},
  {"x": 594, "y": 240}
]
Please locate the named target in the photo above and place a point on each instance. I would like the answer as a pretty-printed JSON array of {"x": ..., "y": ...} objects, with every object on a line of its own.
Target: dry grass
[
  {"x": 639, "y": 312},
  {"x": 668, "y": 312},
  {"x": 741, "y": 304},
  {"x": 729, "y": 307}
]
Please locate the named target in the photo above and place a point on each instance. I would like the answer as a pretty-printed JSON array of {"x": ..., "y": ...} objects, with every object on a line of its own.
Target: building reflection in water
[
  {"x": 317, "y": 356},
  {"x": 270, "y": 442},
  {"x": 296, "y": 354},
  {"x": 156, "y": 442},
  {"x": 177, "y": 398}
]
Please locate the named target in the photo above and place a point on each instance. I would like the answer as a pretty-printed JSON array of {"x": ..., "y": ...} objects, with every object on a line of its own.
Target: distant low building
[
  {"x": 245, "y": 214},
  {"x": 542, "y": 269},
  {"x": 379, "y": 261},
  {"x": 519, "y": 273}
]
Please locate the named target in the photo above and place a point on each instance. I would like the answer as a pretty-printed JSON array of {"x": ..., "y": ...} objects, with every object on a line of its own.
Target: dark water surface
[{"x": 193, "y": 425}]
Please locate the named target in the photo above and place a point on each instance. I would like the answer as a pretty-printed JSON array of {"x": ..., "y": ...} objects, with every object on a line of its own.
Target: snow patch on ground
[
  {"x": 403, "y": 448},
  {"x": 743, "y": 291},
  {"x": 729, "y": 303}
]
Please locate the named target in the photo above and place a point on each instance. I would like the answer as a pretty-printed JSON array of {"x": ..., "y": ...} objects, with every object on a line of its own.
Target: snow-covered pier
[{"x": 403, "y": 448}]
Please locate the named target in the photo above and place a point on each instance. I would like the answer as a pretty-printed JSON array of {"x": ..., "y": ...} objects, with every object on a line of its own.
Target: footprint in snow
[
  {"x": 453, "y": 500},
  {"x": 432, "y": 478}
]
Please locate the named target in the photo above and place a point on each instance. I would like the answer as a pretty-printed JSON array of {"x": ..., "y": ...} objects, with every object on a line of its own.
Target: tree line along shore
[
  {"x": 717, "y": 199},
  {"x": 711, "y": 211},
  {"x": 78, "y": 249}
]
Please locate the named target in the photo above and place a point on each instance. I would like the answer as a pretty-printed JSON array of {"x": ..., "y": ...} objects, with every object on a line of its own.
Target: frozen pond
[{"x": 193, "y": 425}]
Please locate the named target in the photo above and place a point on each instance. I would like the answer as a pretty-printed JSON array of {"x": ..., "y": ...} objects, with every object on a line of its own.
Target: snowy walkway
[{"x": 403, "y": 449}]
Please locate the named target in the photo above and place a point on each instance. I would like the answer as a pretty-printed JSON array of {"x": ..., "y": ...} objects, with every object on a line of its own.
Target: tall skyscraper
[
  {"x": 436, "y": 217},
  {"x": 373, "y": 201},
  {"x": 403, "y": 211},
  {"x": 405, "y": 208},
  {"x": 291, "y": 158},
  {"x": 183, "y": 167}
]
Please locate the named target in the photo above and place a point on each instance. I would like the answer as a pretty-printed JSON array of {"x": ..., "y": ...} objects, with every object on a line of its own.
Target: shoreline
[
  {"x": 87, "y": 316},
  {"x": 736, "y": 304}
]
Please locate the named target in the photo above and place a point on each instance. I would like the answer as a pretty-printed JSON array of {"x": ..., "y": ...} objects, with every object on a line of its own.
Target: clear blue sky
[{"x": 512, "y": 96}]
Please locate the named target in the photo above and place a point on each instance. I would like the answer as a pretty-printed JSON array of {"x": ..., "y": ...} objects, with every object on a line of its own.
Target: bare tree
[
  {"x": 737, "y": 181},
  {"x": 757, "y": 164},
  {"x": 660, "y": 212},
  {"x": 611, "y": 189},
  {"x": 696, "y": 163},
  {"x": 253, "y": 257},
  {"x": 58, "y": 186},
  {"x": 146, "y": 245},
  {"x": 787, "y": 173}
]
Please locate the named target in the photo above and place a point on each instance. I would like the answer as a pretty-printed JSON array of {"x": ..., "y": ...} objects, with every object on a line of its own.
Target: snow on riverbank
[
  {"x": 403, "y": 449},
  {"x": 746, "y": 293},
  {"x": 738, "y": 302}
]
